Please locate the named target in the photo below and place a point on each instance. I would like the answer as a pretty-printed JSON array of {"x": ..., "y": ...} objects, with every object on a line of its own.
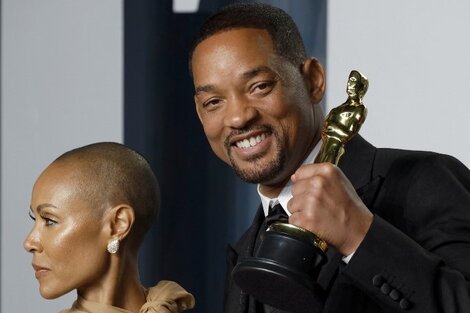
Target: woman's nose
[{"x": 32, "y": 242}]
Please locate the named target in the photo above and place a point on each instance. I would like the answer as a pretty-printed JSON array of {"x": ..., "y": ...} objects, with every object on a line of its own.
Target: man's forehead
[
  {"x": 237, "y": 53},
  {"x": 235, "y": 42}
]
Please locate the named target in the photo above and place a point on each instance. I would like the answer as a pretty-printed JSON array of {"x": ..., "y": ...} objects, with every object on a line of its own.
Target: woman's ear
[
  {"x": 314, "y": 77},
  {"x": 120, "y": 219}
]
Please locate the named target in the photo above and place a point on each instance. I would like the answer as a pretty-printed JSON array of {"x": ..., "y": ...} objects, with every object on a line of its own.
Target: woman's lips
[{"x": 40, "y": 271}]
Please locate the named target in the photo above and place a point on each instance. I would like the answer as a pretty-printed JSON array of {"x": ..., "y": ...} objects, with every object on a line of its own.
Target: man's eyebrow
[
  {"x": 245, "y": 75},
  {"x": 204, "y": 88},
  {"x": 256, "y": 71}
]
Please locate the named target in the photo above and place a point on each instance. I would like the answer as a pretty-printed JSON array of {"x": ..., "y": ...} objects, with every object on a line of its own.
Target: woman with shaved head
[{"x": 92, "y": 208}]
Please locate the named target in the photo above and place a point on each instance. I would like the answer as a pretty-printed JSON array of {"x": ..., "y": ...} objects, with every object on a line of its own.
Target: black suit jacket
[{"x": 416, "y": 255}]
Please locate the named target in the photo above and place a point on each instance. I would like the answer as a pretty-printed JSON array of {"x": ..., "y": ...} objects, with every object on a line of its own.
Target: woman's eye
[{"x": 48, "y": 221}]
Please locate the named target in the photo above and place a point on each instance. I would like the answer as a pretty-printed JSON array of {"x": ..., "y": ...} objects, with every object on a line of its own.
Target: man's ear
[
  {"x": 314, "y": 77},
  {"x": 120, "y": 220}
]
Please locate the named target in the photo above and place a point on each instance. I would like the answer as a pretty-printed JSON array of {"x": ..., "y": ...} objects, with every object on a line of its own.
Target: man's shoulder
[
  {"x": 391, "y": 158},
  {"x": 364, "y": 161}
]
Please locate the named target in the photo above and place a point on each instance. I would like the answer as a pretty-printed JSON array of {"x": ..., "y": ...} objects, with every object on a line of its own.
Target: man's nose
[{"x": 240, "y": 112}]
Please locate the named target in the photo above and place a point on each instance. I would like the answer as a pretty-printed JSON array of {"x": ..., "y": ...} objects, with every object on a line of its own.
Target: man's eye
[
  {"x": 263, "y": 87},
  {"x": 210, "y": 104}
]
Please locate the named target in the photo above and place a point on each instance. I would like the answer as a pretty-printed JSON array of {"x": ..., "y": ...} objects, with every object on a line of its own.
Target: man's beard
[{"x": 261, "y": 172}]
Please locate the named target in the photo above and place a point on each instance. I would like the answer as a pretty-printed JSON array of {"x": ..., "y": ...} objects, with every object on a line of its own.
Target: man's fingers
[{"x": 309, "y": 170}]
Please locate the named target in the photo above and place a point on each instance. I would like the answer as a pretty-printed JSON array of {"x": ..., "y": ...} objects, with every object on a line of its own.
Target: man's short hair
[
  {"x": 109, "y": 174},
  {"x": 284, "y": 33}
]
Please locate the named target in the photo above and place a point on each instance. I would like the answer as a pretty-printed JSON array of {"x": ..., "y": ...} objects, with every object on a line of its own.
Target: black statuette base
[{"x": 283, "y": 273}]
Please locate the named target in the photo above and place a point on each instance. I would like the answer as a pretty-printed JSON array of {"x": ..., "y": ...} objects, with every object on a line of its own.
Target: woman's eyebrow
[{"x": 43, "y": 206}]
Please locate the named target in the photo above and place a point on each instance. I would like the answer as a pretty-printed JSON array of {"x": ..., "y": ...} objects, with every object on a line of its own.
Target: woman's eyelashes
[{"x": 48, "y": 221}]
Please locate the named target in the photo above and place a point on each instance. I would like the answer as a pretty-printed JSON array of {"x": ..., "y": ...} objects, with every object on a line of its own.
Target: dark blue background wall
[{"x": 204, "y": 205}]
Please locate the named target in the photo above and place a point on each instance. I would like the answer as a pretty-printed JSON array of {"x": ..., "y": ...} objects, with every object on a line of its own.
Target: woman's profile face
[{"x": 67, "y": 241}]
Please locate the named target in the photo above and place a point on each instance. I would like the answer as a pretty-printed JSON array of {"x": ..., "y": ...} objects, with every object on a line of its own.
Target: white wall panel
[
  {"x": 62, "y": 65},
  {"x": 416, "y": 56}
]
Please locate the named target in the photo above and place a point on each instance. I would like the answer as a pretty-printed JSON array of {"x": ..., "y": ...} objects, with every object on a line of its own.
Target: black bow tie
[{"x": 276, "y": 214}]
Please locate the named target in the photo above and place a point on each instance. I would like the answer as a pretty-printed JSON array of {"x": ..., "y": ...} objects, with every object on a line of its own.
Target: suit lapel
[
  {"x": 357, "y": 165},
  {"x": 357, "y": 162},
  {"x": 235, "y": 300}
]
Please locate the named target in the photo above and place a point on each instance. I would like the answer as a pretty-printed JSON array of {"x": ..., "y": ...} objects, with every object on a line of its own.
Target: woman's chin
[{"x": 51, "y": 294}]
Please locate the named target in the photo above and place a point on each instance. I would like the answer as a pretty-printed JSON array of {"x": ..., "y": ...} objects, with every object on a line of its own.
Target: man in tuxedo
[{"x": 397, "y": 222}]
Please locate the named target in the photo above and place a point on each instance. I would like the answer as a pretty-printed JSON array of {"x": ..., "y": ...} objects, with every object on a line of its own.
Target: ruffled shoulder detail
[{"x": 167, "y": 297}]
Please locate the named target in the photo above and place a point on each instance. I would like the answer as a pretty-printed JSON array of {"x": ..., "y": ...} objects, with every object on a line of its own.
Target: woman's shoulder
[{"x": 169, "y": 295}]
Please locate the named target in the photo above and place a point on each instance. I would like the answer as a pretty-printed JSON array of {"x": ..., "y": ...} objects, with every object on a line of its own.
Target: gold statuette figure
[{"x": 344, "y": 121}]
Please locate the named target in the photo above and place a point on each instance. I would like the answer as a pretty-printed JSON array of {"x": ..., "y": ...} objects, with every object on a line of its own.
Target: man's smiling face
[{"x": 253, "y": 104}]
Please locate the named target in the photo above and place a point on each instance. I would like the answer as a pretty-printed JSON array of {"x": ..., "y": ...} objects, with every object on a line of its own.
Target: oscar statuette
[{"x": 284, "y": 268}]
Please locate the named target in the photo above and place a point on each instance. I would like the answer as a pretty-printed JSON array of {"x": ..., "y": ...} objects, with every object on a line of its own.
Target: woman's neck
[{"x": 120, "y": 286}]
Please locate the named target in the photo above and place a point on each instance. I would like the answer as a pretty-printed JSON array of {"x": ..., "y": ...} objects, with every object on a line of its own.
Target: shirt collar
[{"x": 286, "y": 194}]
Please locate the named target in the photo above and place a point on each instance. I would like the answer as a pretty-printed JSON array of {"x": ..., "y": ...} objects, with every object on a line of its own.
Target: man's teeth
[{"x": 251, "y": 142}]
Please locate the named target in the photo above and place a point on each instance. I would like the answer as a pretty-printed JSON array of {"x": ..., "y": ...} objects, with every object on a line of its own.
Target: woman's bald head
[{"x": 108, "y": 174}]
